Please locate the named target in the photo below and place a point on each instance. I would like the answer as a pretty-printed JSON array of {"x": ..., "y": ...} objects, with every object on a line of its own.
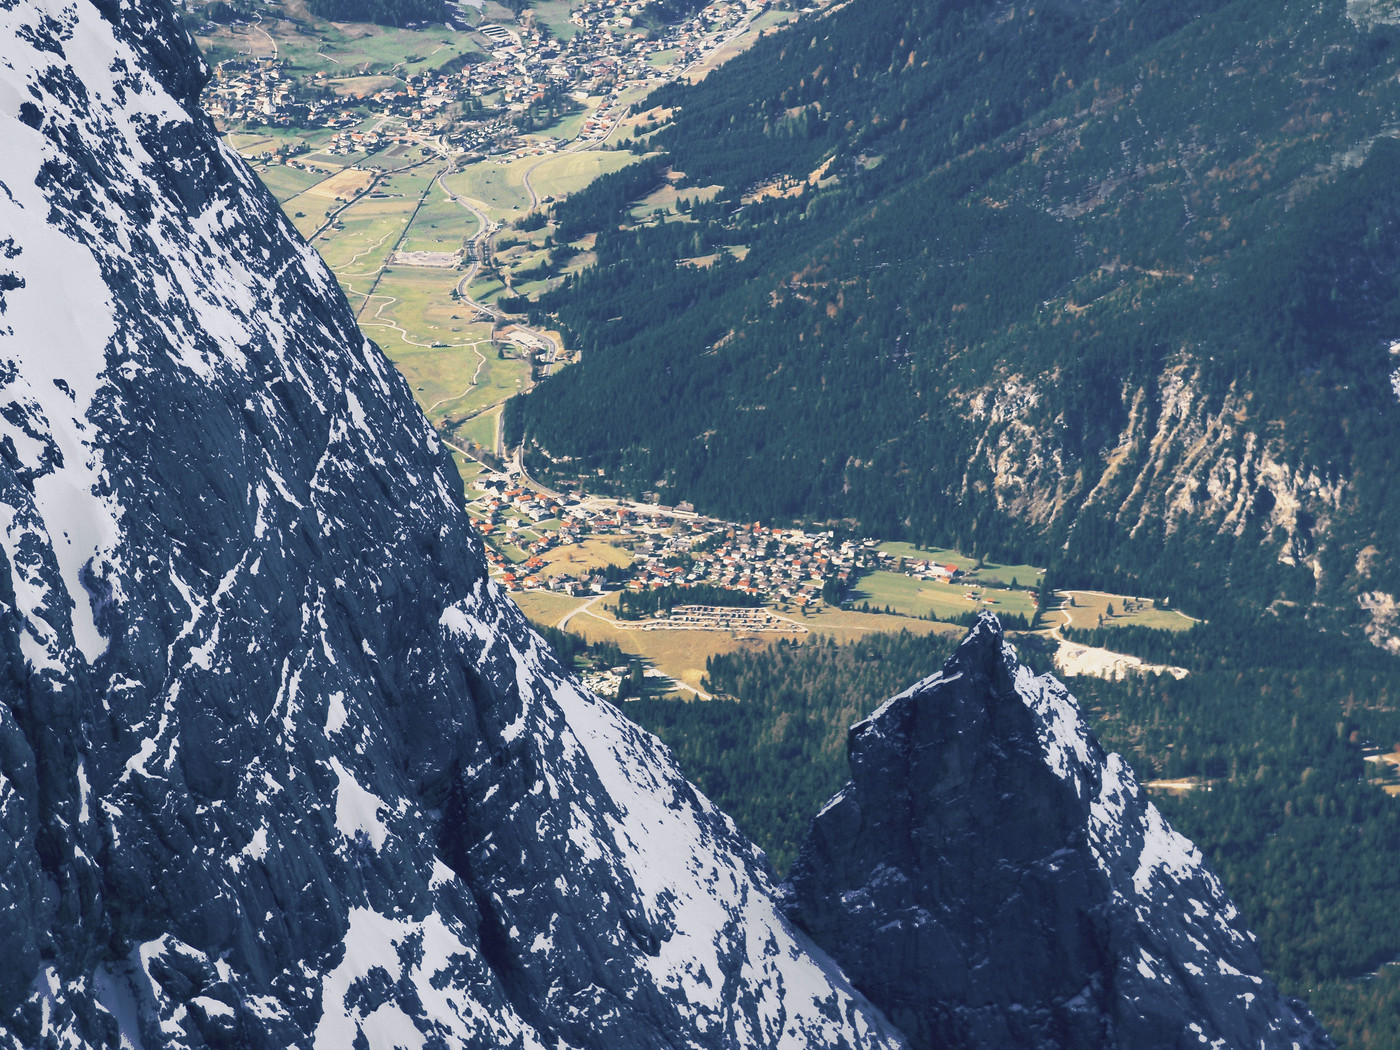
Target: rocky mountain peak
[
  {"x": 991, "y": 877},
  {"x": 279, "y": 765}
]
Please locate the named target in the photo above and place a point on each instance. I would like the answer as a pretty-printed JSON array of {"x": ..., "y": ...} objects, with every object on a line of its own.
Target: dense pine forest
[
  {"x": 1270, "y": 726},
  {"x": 989, "y": 275},
  {"x": 1108, "y": 288}
]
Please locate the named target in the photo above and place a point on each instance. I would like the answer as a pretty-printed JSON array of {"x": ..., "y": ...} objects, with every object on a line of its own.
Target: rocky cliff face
[
  {"x": 1182, "y": 461},
  {"x": 992, "y": 878},
  {"x": 279, "y": 767}
]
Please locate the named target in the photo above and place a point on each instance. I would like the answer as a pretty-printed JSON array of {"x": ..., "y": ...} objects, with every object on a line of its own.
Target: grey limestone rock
[{"x": 991, "y": 877}]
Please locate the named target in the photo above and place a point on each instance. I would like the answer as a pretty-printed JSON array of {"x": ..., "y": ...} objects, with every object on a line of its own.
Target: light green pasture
[{"x": 943, "y": 601}]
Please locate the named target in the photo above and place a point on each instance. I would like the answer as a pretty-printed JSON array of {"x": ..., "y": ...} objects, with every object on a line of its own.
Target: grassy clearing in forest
[
  {"x": 1091, "y": 609},
  {"x": 944, "y": 601}
]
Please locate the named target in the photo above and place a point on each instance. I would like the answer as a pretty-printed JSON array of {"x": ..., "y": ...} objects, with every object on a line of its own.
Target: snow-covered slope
[
  {"x": 992, "y": 878},
  {"x": 278, "y": 766}
]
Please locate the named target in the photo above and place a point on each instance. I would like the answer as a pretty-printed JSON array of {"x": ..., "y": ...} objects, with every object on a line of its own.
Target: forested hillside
[
  {"x": 1111, "y": 286},
  {"x": 382, "y": 12},
  {"x": 1269, "y": 727}
]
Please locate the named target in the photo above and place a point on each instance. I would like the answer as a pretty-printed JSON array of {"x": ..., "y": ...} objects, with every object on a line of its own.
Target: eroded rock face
[
  {"x": 992, "y": 878},
  {"x": 279, "y": 766}
]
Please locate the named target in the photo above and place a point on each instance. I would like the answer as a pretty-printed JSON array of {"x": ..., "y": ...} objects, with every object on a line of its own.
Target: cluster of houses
[
  {"x": 918, "y": 568},
  {"x": 667, "y": 547},
  {"x": 523, "y": 67}
]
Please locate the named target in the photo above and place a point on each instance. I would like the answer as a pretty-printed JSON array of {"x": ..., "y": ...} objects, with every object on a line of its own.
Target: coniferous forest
[
  {"x": 1107, "y": 288},
  {"x": 1271, "y": 735},
  {"x": 1020, "y": 263}
]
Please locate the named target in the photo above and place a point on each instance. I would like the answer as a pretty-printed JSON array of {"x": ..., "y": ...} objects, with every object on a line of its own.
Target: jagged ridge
[
  {"x": 279, "y": 766},
  {"x": 991, "y": 877}
]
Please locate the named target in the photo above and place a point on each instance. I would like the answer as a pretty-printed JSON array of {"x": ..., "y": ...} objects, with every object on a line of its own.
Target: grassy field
[
  {"x": 365, "y": 232},
  {"x": 441, "y": 225},
  {"x": 412, "y": 311},
  {"x": 469, "y": 468},
  {"x": 682, "y": 654},
  {"x": 584, "y": 557},
  {"x": 990, "y": 572},
  {"x": 1127, "y": 610},
  {"x": 664, "y": 199},
  {"x": 679, "y": 654},
  {"x": 356, "y": 246},
  {"x": 337, "y": 49},
  {"x": 285, "y": 182},
  {"x": 481, "y": 429},
  {"x": 360, "y": 87},
  {"x": 343, "y": 185},
  {"x": 944, "y": 601},
  {"x": 497, "y": 188},
  {"x": 545, "y": 607},
  {"x": 486, "y": 289},
  {"x": 555, "y": 14},
  {"x": 568, "y": 125}
]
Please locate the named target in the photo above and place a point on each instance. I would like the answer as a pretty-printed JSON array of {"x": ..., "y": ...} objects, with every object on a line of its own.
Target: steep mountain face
[
  {"x": 1111, "y": 285},
  {"x": 992, "y": 878},
  {"x": 279, "y": 767}
]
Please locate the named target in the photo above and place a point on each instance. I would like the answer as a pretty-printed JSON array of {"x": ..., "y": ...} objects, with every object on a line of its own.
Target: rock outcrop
[
  {"x": 279, "y": 766},
  {"x": 991, "y": 878}
]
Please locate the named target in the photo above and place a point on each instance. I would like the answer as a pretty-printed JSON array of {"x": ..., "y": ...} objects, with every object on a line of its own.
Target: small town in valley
[
  {"x": 423, "y": 162},
  {"x": 520, "y": 74}
]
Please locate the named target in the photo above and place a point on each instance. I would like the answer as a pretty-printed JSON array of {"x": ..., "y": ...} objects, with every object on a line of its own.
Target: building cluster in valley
[
  {"x": 585, "y": 546},
  {"x": 655, "y": 547},
  {"x": 484, "y": 106}
]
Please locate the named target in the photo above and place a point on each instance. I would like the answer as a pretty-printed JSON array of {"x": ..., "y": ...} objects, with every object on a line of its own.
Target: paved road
[
  {"x": 480, "y": 245},
  {"x": 562, "y": 624},
  {"x": 579, "y": 146}
]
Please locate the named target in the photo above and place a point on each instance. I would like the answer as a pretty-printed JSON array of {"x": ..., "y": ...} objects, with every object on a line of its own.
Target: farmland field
[
  {"x": 286, "y": 182},
  {"x": 1089, "y": 606},
  {"x": 584, "y": 557},
  {"x": 989, "y": 572},
  {"x": 943, "y": 601}
]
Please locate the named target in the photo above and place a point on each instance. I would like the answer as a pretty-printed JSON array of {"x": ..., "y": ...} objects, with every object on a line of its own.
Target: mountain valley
[{"x": 281, "y": 762}]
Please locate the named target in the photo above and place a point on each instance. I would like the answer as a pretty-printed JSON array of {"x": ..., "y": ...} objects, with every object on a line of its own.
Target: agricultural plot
[
  {"x": 343, "y": 185},
  {"x": 545, "y": 607},
  {"x": 680, "y": 655},
  {"x": 988, "y": 572},
  {"x": 585, "y": 557},
  {"x": 440, "y": 225},
  {"x": 1097, "y": 608},
  {"x": 497, "y": 187},
  {"x": 555, "y": 14},
  {"x": 361, "y": 87},
  {"x": 338, "y": 48},
  {"x": 843, "y": 625},
  {"x": 569, "y": 125},
  {"x": 481, "y": 429},
  {"x": 285, "y": 182},
  {"x": 356, "y": 245},
  {"x": 943, "y": 601},
  {"x": 485, "y": 290},
  {"x": 447, "y": 357}
]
